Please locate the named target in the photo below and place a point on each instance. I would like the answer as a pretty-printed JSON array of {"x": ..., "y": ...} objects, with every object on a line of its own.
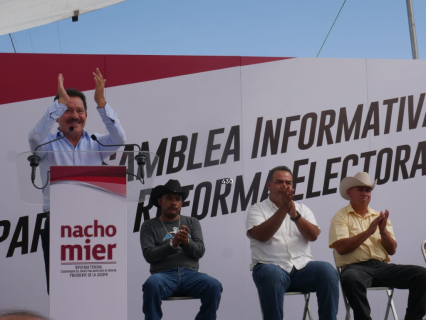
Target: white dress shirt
[{"x": 287, "y": 247}]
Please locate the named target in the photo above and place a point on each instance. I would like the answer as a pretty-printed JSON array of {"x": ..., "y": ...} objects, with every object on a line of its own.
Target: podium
[{"x": 88, "y": 225}]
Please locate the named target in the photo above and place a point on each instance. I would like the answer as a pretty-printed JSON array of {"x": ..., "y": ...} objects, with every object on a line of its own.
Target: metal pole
[{"x": 412, "y": 29}]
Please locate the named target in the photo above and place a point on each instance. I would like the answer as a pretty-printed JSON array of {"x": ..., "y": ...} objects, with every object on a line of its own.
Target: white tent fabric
[{"x": 16, "y": 15}]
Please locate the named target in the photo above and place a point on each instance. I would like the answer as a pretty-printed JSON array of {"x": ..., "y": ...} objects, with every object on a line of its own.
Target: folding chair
[
  {"x": 389, "y": 291},
  {"x": 177, "y": 298},
  {"x": 306, "y": 309},
  {"x": 424, "y": 249}
]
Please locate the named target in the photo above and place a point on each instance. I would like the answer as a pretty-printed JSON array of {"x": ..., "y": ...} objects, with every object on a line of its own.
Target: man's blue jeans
[
  {"x": 317, "y": 276},
  {"x": 179, "y": 282}
]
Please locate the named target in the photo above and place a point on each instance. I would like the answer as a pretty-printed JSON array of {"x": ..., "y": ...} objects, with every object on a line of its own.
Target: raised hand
[
  {"x": 99, "y": 89},
  {"x": 375, "y": 223},
  {"x": 384, "y": 222},
  {"x": 183, "y": 235},
  {"x": 63, "y": 95},
  {"x": 287, "y": 195},
  {"x": 292, "y": 210},
  {"x": 176, "y": 240}
]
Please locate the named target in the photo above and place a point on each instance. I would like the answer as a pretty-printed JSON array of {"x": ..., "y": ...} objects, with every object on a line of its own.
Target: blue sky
[{"x": 297, "y": 28}]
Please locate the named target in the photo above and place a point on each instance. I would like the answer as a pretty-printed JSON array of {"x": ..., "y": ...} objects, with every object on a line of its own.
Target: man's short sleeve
[
  {"x": 255, "y": 217},
  {"x": 307, "y": 213},
  {"x": 338, "y": 229}
]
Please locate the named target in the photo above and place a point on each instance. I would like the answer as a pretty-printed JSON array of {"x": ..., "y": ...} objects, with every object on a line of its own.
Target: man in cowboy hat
[
  {"x": 172, "y": 244},
  {"x": 363, "y": 239},
  {"x": 280, "y": 231}
]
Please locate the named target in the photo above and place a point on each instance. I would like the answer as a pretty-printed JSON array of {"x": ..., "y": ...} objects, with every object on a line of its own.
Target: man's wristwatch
[{"x": 297, "y": 217}]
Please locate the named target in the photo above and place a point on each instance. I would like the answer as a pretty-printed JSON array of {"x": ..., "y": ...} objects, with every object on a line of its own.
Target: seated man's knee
[
  {"x": 151, "y": 284},
  {"x": 350, "y": 279},
  {"x": 216, "y": 287},
  {"x": 269, "y": 275},
  {"x": 212, "y": 284},
  {"x": 329, "y": 273},
  {"x": 422, "y": 275}
]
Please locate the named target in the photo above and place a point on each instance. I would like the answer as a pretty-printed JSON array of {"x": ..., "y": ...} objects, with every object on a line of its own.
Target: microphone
[
  {"x": 70, "y": 129},
  {"x": 95, "y": 138},
  {"x": 35, "y": 159},
  {"x": 140, "y": 158}
]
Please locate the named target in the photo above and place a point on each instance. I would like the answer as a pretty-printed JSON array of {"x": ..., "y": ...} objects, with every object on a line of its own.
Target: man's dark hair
[
  {"x": 279, "y": 168},
  {"x": 75, "y": 93},
  {"x": 21, "y": 313}
]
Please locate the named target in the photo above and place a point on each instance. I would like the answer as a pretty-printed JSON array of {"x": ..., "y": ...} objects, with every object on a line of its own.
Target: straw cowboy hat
[
  {"x": 171, "y": 187},
  {"x": 361, "y": 179}
]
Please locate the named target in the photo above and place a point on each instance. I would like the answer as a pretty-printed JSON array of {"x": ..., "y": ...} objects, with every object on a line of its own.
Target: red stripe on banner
[
  {"x": 34, "y": 76},
  {"x": 134, "y": 69},
  {"x": 112, "y": 179},
  {"x": 26, "y": 76},
  {"x": 246, "y": 61}
]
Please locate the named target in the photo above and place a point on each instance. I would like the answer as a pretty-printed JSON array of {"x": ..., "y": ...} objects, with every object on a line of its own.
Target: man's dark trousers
[{"x": 357, "y": 277}]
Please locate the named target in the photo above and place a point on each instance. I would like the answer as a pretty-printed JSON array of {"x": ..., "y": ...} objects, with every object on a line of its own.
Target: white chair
[
  {"x": 306, "y": 309},
  {"x": 424, "y": 249},
  {"x": 177, "y": 298},
  {"x": 389, "y": 291}
]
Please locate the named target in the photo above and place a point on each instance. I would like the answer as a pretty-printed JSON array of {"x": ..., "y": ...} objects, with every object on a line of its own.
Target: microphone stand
[
  {"x": 140, "y": 157},
  {"x": 35, "y": 159}
]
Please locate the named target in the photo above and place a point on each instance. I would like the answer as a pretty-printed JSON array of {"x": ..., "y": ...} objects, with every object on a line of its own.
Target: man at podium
[
  {"x": 69, "y": 110},
  {"x": 173, "y": 244}
]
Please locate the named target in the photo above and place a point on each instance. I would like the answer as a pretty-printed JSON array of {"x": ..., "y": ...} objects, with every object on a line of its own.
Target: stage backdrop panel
[{"x": 219, "y": 124}]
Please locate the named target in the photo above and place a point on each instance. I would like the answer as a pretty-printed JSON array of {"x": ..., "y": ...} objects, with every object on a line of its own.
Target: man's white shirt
[{"x": 287, "y": 247}]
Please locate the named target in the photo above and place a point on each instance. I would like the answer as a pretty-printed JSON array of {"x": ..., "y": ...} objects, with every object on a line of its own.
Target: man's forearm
[
  {"x": 195, "y": 246},
  {"x": 344, "y": 246},
  {"x": 194, "y": 249},
  {"x": 101, "y": 103},
  {"x": 116, "y": 134},
  {"x": 388, "y": 242},
  {"x": 152, "y": 252},
  {"x": 155, "y": 254},
  {"x": 308, "y": 230},
  {"x": 268, "y": 228},
  {"x": 41, "y": 130}
]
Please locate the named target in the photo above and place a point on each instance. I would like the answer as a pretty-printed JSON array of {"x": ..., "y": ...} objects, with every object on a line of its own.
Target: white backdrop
[{"x": 222, "y": 109}]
